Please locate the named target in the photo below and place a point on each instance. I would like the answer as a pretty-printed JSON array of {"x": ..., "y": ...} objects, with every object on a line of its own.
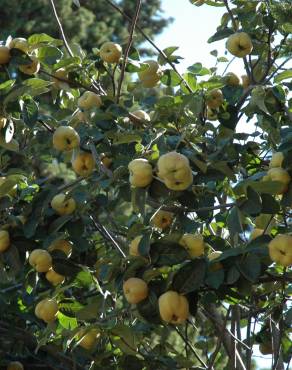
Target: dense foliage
[
  {"x": 142, "y": 227},
  {"x": 89, "y": 25}
]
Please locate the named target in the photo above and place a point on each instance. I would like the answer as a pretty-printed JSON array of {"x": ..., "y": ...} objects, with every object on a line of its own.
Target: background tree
[{"x": 91, "y": 24}]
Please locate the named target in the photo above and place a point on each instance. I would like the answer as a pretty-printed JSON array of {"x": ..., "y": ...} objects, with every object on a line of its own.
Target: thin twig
[
  {"x": 219, "y": 343},
  {"x": 107, "y": 235},
  {"x": 102, "y": 168},
  {"x": 47, "y": 127},
  {"x": 191, "y": 348},
  {"x": 61, "y": 29},
  {"x": 128, "y": 47},
  {"x": 70, "y": 83}
]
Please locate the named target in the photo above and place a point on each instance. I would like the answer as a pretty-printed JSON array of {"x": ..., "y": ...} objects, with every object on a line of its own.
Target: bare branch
[
  {"x": 61, "y": 29},
  {"x": 126, "y": 55}
]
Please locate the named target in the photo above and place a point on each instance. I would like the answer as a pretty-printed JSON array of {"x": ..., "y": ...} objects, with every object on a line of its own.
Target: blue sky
[{"x": 190, "y": 31}]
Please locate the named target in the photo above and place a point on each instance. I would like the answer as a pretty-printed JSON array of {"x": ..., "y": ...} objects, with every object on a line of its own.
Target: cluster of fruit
[
  {"x": 173, "y": 307},
  {"x": 31, "y": 66},
  {"x": 280, "y": 247},
  {"x": 41, "y": 260},
  {"x": 47, "y": 309},
  {"x": 172, "y": 168}
]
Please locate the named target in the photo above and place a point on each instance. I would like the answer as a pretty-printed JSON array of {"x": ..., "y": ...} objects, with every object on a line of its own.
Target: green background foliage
[{"x": 89, "y": 25}]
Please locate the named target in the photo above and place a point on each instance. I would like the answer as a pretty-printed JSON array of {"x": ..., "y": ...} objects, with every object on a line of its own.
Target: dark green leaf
[
  {"x": 228, "y": 118},
  {"x": 270, "y": 205},
  {"x": 234, "y": 221},
  {"x": 144, "y": 244},
  {"x": 253, "y": 204},
  {"x": 286, "y": 200},
  {"x": 167, "y": 253},
  {"x": 221, "y": 34},
  {"x": 65, "y": 267},
  {"x": 190, "y": 277},
  {"x": 232, "y": 275},
  {"x": 59, "y": 223},
  {"x": 215, "y": 278},
  {"x": 148, "y": 309},
  {"x": 250, "y": 267}
]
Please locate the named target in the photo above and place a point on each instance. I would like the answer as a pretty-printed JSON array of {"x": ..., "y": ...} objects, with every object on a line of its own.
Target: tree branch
[
  {"x": 70, "y": 83},
  {"x": 61, "y": 29},
  {"x": 107, "y": 235},
  {"x": 126, "y": 55},
  {"x": 191, "y": 348}
]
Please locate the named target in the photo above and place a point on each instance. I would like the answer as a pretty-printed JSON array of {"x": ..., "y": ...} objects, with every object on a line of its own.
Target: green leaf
[
  {"x": 250, "y": 267},
  {"x": 270, "y": 187},
  {"x": 215, "y": 3},
  {"x": 170, "y": 78},
  {"x": 234, "y": 221},
  {"x": 167, "y": 253},
  {"x": 134, "y": 53},
  {"x": 223, "y": 167},
  {"x": 222, "y": 60},
  {"x": 221, "y": 34},
  {"x": 29, "y": 109},
  {"x": 66, "y": 322},
  {"x": 91, "y": 310},
  {"x": 232, "y": 275},
  {"x": 144, "y": 244},
  {"x": 190, "y": 78},
  {"x": 126, "y": 138},
  {"x": 228, "y": 118},
  {"x": 15, "y": 93},
  {"x": 286, "y": 200},
  {"x": 215, "y": 278},
  {"x": 134, "y": 66},
  {"x": 6, "y": 86},
  {"x": 283, "y": 76},
  {"x": 253, "y": 204},
  {"x": 190, "y": 277},
  {"x": 65, "y": 267},
  {"x": 170, "y": 50},
  {"x": 270, "y": 205},
  {"x": 69, "y": 307},
  {"x": 198, "y": 70},
  {"x": 49, "y": 55},
  {"x": 129, "y": 339},
  {"x": 7, "y": 186},
  {"x": 232, "y": 94},
  {"x": 148, "y": 309},
  {"x": 43, "y": 38},
  {"x": 59, "y": 223},
  {"x": 36, "y": 83},
  {"x": 200, "y": 164}
]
